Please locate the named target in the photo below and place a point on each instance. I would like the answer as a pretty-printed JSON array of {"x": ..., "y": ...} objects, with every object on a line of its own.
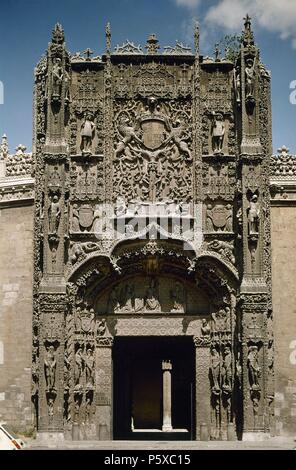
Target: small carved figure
[
  {"x": 151, "y": 298},
  {"x": 57, "y": 79},
  {"x": 253, "y": 215},
  {"x": 54, "y": 215},
  {"x": 253, "y": 367},
  {"x": 218, "y": 132},
  {"x": 250, "y": 78},
  {"x": 87, "y": 134},
  {"x": 128, "y": 298},
  {"x": 101, "y": 330},
  {"x": 89, "y": 367},
  {"x": 227, "y": 370},
  {"x": 177, "y": 295},
  {"x": 205, "y": 328},
  {"x": 79, "y": 363},
  {"x": 209, "y": 224},
  {"x": 177, "y": 133},
  {"x": 50, "y": 365},
  {"x": 238, "y": 370},
  {"x": 75, "y": 219},
  {"x": 215, "y": 369},
  {"x": 128, "y": 134}
]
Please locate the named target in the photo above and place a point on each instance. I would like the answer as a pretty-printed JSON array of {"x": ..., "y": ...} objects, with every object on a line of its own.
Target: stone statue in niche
[
  {"x": 215, "y": 369},
  {"x": 67, "y": 87},
  {"x": 227, "y": 370},
  {"x": 178, "y": 297},
  {"x": 57, "y": 79},
  {"x": 218, "y": 133},
  {"x": 50, "y": 365},
  {"x": 79, "y": 364},
  {"x": 88, "y": 130},
  {"x": 253, "y": 215},
  {"x": 89, "y": 367},
  {"x": 152, "y": 297},
  {"x": 54, "y": 214},
  {"x": 250, "y": 78},
  {"x": 253, "y": 367}
]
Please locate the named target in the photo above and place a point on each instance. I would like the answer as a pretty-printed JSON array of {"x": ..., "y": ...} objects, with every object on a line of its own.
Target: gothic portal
[{"x": 152, "y": 275}]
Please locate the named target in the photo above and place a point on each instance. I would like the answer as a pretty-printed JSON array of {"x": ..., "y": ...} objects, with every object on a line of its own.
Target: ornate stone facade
[{"x": 152, "y": 220}]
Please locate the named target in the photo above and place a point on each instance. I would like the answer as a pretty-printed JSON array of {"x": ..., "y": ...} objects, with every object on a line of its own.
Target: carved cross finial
[
  {"x": 88, "y": 53},
  {"x": 217, "y": 53},
  {"x": 152, "y": 45},
  {"x": 248, "y": 36},
  {"x": 108, "y": 39},
  {"x": 283, "y": 151},
  {"x": 58, "y": 36}
]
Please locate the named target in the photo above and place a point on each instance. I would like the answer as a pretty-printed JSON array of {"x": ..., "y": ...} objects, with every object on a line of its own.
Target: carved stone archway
[{"x": 150, "y": 289}]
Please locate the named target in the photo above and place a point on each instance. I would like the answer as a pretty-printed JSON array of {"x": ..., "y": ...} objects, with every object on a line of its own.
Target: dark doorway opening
[{"x": 138, "y": 387}]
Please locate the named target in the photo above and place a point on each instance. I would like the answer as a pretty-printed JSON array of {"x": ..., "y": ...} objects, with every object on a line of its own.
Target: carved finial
[
  {"x": 58, "y": 36},
  {"x": 196, "y": 38},
  {"x": 88, "y": 53},
  {"x": 108, "y": 39},
  {"x": 4, "y": 147},
  {"x": 217, "y": 53},
  {"x": 152, "y": 45},
  {"x": 248, "y": 36},
  {"x": 283, "y": 151}
]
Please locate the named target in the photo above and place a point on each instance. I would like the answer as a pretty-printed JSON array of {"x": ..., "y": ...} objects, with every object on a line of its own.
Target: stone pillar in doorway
[
  {"x": 167, "y": 396},
  {"x": 104, "y": 388},
  {"x": 202, "y": 389}
]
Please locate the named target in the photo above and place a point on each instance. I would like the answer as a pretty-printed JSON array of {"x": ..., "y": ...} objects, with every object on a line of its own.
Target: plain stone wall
[
  {"x": 16, "y": 279},
  {"x": 284, "y": 305}
]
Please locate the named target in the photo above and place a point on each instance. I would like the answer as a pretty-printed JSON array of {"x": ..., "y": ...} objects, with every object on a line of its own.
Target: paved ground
[{"x": 278, "y": 443}]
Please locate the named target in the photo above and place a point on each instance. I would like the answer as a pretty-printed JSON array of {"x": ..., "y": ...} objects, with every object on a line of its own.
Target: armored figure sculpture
[
  {"x": 57, "y": 79},
  {"x": 54, "y": 215},
  {"x": 87, "y": 134},
  {"x": 253, "y": 366},
  {"x": 50, "y": 365},
  {"x": 253, "y": 215},
  {"x": 218, "y": 132}
]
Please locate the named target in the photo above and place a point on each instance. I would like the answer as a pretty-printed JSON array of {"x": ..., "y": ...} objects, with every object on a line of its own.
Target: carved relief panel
[
  {"x": 152, "y": 295},
  {"x": 153, "y": 146}
]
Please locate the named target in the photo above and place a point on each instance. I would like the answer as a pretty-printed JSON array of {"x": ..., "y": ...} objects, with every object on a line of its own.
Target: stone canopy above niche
[{"x": 153, "y": 295}]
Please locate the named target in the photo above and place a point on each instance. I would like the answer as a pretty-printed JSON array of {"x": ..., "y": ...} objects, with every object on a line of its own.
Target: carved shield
[
  {"x": 87, "y": 323},
  {"x": 153, "y": 133},
  {"x": 219, "y": 216},
  {"x": 86, "y": 216}
]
